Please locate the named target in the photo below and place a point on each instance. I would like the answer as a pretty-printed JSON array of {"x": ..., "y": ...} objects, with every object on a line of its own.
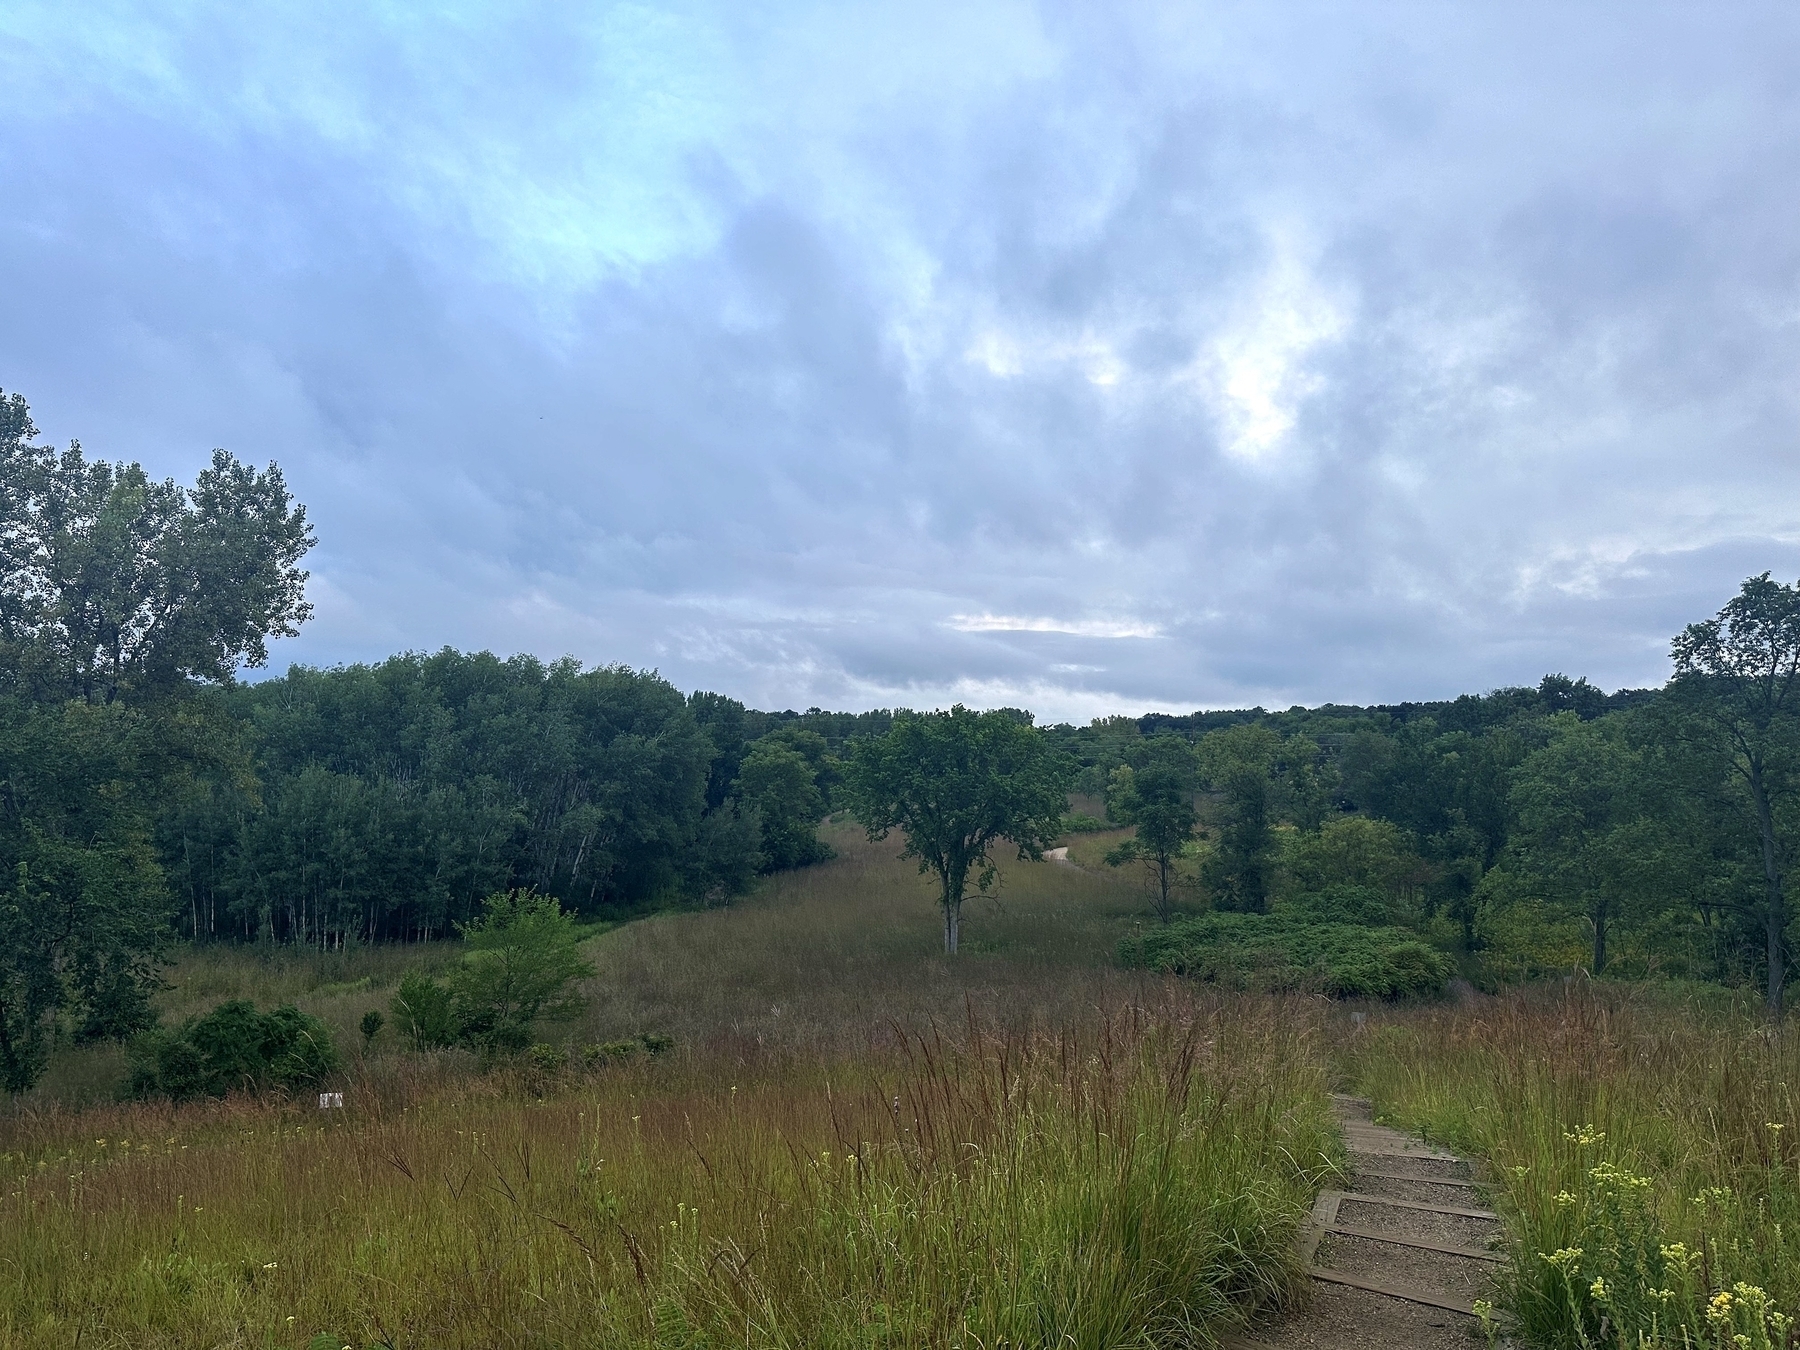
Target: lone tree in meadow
[
  {"x": 955, "y": 784},
  {"x": 1737, "y": 691}
]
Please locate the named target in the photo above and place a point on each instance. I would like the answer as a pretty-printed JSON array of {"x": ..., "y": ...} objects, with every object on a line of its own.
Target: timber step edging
[
  {"x": 1423, "y": 1244},
  {"x": 1356, "y": 1197}
]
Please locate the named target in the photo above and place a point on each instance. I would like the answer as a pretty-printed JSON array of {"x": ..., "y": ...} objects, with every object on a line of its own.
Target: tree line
[
  {"x": 148, "y": 793},
  {"x": 1659, "y": 825},
  {"x": 386, "y": 800}
]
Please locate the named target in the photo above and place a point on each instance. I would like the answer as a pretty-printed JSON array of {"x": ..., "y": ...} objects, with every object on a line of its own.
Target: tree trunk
[
  {"x": 1599, "y": 922},
  {"x": 1162, "y": 880},
  {"x": 952, "y": 921}
]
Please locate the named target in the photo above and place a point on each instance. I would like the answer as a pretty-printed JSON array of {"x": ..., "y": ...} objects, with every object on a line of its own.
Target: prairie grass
[
  {"x": 855, "y": 1143},
  {"x": 1136, "y": 1183},
  {"x": 1642, "y": 1147},
  {"x": 813, "y": 960}
]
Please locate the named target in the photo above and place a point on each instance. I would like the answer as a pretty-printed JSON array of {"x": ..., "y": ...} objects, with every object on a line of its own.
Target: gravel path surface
[{"x": 1416, "y": 1280}]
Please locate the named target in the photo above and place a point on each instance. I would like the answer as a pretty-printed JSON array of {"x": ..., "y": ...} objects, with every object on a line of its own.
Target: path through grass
[{"x": 1644, "y": 1148}]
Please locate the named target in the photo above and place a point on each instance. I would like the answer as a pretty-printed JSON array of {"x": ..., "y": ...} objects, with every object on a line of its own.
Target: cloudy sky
[{"x": 1095, "y": 358}]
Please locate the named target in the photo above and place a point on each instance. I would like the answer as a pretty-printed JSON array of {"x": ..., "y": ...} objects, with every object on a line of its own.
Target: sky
[{"x": 1090, "y": 358}]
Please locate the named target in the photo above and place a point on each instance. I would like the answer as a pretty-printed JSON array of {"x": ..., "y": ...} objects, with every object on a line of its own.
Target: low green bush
[
  {"x": 1077, "y": 822},
  {"x": 233, "y": 1047},
  {"x": 613, "y": 1052},
  {"x": 424, "y": 1012},
  {"x": 1276, "y": 951},
  {"x": 1364, "y": 906}
]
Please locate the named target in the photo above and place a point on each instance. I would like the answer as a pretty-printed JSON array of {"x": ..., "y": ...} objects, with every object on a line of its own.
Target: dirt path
[{"x": 1396, "y": 1260}]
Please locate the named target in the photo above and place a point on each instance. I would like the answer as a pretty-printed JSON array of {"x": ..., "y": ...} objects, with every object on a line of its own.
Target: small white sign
[{"x": 327, "y": 1100}]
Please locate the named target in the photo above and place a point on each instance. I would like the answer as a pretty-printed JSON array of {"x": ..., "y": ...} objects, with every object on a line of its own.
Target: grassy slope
[
  {"x": 822, "y": 955},
  {"x": 1080, "y": 1156}
]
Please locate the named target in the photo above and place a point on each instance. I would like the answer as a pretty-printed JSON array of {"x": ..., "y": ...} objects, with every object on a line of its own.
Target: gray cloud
[{"x": 1090, "y": 359}]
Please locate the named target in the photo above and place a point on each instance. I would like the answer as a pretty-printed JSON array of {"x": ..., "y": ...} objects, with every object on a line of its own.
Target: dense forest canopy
[{"x": 148, "y": 792}]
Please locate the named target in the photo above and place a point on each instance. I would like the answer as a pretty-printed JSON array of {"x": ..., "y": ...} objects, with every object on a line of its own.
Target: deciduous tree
[
  {"x": 1157, "y": 798},
  {"x": 956, "y": 784},
  {"x": 1737, "y": 689}
]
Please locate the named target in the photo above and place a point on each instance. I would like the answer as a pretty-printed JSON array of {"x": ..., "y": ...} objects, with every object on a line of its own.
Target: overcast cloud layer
[{"x": 1091, "y": 358}]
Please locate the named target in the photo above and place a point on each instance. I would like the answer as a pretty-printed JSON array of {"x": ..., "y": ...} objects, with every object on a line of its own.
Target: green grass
[
  {"x": 1636, "y": 1138},
  {"x": 855, "y": 1142}
]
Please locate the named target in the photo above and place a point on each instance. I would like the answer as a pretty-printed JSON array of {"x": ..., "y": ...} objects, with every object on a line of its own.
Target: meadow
[
  {"x": 855, "y": 1142},
  {"x": 859, "y": 1142}
]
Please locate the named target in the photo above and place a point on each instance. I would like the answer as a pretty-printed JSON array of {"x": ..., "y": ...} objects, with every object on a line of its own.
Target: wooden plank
[
  {"x": 1324, "y": 1214},
  {"x": 1431, "y": 1298},
  {"x": 1424, "y": 1244},
  {"x": 1372, "y": 1146},
  {"x": 1424, "y": 1181},
  {"x": 1419, "y": 1205}
]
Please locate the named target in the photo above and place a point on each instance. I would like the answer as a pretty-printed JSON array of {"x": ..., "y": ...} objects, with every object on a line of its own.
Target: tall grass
[
  {"x": 1643, "y": 1149},
  {"x": 807, "y": 965},
  {"x": 1132, "y": 1182}
]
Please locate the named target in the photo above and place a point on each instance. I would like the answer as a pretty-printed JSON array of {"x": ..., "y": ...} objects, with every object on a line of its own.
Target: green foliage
[
  {"x": 617, "y": 1052},
  {"x": 955, "y": 784},
  {"x": 1157, "y": 797},
  {"x": 1364, "y": 906},
  {"x": 545, "y": 1060},
  {"x": 119, "y": 598},
  {"x": 1589, "y": 835},
  {"x": 371, "y": 1025},
  {"x": 1357, "y": 851},
  {"x": 727, "y": 853},
  {"x": 519, "y": 960},
  {"x": 1256, "y": 774},
  {"x": 1076, "y": 822},
  {"x": 233, "y": 1048},
  {"x": 782, "y": 786},
  {"x": 1275, "y": 952},
  {"x": 114, "y": 586},
  {"x": 1736, "y": 698},
  {"x": 83, "y": 902},
  {"x": 423, "y": 1012},
  {"x": 396, "y": 796}
]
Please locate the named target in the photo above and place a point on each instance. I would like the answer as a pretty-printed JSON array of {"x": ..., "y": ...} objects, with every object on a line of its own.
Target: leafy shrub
[
  {"x": 519, "y": 961},
  {"x": 616, "y": 1052},
  {"x": 1276, "y": 951},
  {"x": 545, "y": 1059},
  {"x": 1077, "y": 822},
  {"x": 1362, "y": 905},
  {"x": 233, "y": 1047},
  {"x": 423, "y": 1012}
]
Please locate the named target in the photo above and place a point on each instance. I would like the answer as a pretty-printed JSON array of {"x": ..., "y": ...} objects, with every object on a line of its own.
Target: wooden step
[
  {"x": 1358, "y": 1198},
  {"x": 1404, "y": 1176},
  {"x": 1431, "y": 1298},
  {"x": 1423, "y": 1244}
]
